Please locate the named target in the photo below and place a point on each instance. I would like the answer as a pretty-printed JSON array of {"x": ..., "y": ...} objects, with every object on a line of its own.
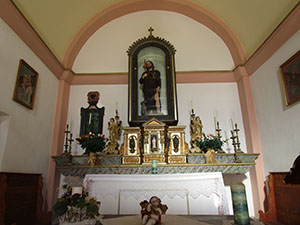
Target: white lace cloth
[{"x": 171, "y": 185}]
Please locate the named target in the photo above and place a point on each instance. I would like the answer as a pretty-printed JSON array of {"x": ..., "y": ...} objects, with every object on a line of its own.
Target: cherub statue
[
  {"x": 195, "y": 148},
  {"x": 152, "y": 210}
]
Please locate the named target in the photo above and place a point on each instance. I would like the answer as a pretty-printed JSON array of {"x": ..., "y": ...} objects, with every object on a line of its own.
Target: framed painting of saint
[
  {"x": 290, "y": 71},
  {"x": 26, "y": 84},
  {"x": 152, "y": 82}
]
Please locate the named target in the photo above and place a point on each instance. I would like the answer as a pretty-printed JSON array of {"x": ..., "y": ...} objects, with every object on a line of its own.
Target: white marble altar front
[{"x": 197, "y": 193}]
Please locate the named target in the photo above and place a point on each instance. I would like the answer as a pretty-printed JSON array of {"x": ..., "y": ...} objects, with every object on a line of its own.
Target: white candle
[
  {"x": 215, "y": 121},
  {"x": 90, "y": 119},
  {"x": 232, "y": 124}
]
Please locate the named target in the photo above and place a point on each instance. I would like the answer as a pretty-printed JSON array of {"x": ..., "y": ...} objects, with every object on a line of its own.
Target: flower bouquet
[
  {"x": 210, "y": 141},
  {"x": 76, "y": 206},
  {"x": 92, "y": 142}
]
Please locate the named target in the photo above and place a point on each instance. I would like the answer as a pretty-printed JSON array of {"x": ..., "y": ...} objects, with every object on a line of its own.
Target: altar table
[{"x": 202, "y": 193}]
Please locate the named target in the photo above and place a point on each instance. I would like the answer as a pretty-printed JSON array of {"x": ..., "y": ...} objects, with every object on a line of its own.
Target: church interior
[{"x": 219, "y": 55}]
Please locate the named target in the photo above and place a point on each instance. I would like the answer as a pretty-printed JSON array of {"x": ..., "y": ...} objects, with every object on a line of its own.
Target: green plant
[
  {"x": 76, "y": 207},
  {"x": 92, "y": 142},
  {"x": 210, "y": 141}
]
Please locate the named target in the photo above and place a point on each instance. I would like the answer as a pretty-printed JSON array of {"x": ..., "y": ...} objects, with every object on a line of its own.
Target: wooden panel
[
  {"x": 21, "y": 200},
  {"x": 283, "y": 201}
]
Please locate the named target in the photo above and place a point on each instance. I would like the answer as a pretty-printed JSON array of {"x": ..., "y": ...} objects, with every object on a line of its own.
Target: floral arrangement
[
  {"x": 92, "y": 142},
  {"x": 76, "y": 207},
  {"x": 210, "y": 141}
]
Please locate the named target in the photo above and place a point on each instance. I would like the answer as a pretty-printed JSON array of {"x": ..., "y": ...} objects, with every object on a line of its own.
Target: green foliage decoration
[
  {"x": 210, "y": 141},
  {"x": 92, "y": 142},
  {"x": 76, "y": 207}
]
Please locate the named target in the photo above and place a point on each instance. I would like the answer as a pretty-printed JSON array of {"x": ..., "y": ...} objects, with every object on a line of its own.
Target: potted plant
[
  {"x": 76, "y": 206},
  {"x": 210, "y": 141},
  {"x": 92, "y": 144}
]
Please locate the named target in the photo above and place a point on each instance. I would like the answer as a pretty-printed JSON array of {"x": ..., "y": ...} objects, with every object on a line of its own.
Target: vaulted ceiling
[{"x": 58, "y": 22}]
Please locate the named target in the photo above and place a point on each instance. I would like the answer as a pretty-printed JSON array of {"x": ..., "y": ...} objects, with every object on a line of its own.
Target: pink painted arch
[{"x": 179, "y": 6}]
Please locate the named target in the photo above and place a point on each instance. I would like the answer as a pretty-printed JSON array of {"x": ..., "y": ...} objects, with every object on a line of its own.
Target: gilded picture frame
[
  {"x": 26, "y": 84},
  {"x": 161, "y": 55},
  {"x": 290, "y": 71}
]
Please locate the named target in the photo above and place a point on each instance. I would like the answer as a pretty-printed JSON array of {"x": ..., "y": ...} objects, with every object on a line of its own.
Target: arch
[{"x": 184, "y": 7}]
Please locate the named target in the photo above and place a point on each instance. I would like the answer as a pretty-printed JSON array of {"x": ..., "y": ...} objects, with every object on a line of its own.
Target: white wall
[
  {"x": 198, "y": 48},
  {"x": 29, "y": 133},
  {"x": 278, "y": 124},
  {"x": 209, "y": 100}
]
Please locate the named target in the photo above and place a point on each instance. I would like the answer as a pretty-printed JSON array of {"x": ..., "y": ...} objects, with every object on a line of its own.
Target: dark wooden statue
[
  {"x": 293, "y": 176},
  {"x": 92, "y": 116}
]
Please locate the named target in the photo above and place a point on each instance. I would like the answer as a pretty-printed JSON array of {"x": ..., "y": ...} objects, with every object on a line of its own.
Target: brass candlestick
[
  {"x": 238, "y": 150},
  {"x": 70, "y": 143},
  {"x": 236, "y": 159},
  {"x": 66, "y": 141},
  {"x": 233, "y": 141},
  {"x": 218, "y": 131}
]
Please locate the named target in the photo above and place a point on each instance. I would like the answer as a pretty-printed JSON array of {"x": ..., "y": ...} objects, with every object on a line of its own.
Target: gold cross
[{"x": 150, "y": 30}]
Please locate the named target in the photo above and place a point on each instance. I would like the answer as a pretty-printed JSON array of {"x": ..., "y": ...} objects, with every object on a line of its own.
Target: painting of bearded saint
[{"x": 152, "y": 81}]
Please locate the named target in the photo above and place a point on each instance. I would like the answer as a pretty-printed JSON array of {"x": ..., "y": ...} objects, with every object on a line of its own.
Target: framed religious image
[
  {"x": 152, "y": 82},
  {"x": 25, "y": 87},
  {"x": 290, "y": 71}
]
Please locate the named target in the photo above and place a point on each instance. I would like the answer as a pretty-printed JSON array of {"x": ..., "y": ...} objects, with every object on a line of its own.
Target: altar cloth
[
  {"x": 166, "y": 220},
  {"x": 202, "y": 193}
]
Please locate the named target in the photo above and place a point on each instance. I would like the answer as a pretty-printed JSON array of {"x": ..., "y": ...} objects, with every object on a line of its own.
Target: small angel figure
[{"x": 152, "y": 210}]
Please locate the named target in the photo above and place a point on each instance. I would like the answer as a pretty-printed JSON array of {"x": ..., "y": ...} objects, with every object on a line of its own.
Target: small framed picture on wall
[
  {"x": 26, "y": 83},
  {"x": 290, "y": 71}
]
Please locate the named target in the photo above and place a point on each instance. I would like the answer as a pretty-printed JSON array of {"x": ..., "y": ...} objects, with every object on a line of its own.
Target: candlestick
[
  {"x": 70, "y": 143},
  {"x": 66, "y": 141}
]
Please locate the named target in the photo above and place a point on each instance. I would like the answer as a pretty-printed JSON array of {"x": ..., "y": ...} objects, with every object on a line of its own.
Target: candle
[
  {"x": 215, "y": 121},
  {"x": 90, "y": 119},
  {"x": 76, "y": 190}
]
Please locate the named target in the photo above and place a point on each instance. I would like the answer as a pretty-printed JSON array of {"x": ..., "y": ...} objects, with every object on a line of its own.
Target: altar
[
  {"x": 151, "y": 156},
  {"x": 186, "y": 194}
]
